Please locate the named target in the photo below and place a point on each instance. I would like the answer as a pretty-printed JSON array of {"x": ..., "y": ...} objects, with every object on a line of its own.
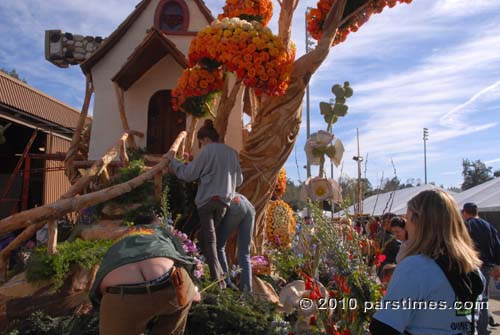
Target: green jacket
[{"x": 136, "y": 248}]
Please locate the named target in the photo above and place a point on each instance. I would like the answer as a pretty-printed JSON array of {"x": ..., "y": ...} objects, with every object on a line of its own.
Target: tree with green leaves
[
  {"x": 13, "y": 73},
  {"x": 475, "y": 173}
]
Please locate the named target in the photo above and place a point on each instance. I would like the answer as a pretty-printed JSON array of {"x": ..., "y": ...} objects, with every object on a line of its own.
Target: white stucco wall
[
  {"x": 162, "y": 76},
  {"x": 107, "y": 127}
]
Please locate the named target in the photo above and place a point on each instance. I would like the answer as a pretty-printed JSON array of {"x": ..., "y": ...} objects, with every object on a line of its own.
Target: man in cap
[{"x": 486, "y": 240}]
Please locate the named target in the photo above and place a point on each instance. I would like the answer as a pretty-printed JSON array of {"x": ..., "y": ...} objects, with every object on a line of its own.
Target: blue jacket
[{"x": 486, "y": 239}]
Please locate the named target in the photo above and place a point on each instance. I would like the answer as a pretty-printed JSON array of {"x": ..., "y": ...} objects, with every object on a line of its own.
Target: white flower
[
  {"x": 319, "y": 189},
  {"x": 317, "y": 142},
  {"x": 339, "y": 152}
]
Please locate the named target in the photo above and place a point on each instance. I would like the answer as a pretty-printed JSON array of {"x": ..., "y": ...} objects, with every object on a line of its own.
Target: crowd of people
[{"x": 438, "y": 264}]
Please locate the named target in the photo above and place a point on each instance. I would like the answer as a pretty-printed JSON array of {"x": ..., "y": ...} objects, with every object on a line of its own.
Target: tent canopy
[
  {"x": 394, "y": 202},
  {"x": 486, "y": 196}
]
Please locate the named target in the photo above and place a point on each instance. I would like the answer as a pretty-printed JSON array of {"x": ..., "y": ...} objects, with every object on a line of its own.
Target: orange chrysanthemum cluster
[
  {"x": 280, "y": 224},
  {"x": 280, "y": 188},
  {"x": 250, "y": 50},
  {"x": 317, "y": 16},
  {"x": 196, "y": 82},
  {"x": 250, "y": 10}
]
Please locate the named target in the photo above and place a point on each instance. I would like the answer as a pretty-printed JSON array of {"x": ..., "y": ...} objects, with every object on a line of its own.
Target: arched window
[{"x": 172, "y": 16}]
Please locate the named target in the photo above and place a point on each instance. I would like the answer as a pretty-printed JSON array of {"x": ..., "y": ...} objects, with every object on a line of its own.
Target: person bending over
[{"x": 144, "y": 276}]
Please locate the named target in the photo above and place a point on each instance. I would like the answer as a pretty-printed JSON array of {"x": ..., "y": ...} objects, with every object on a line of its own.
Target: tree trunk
[
  {"x": 275, "y": 129},
  {"x": 71, "y": 172}
]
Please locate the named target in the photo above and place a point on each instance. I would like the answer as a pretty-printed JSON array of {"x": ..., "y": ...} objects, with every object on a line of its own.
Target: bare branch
[{"x": 285, "y": 20}]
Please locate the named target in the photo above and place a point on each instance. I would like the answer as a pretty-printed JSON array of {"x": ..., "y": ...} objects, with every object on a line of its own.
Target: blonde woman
[{"x": 435, "y": 288}]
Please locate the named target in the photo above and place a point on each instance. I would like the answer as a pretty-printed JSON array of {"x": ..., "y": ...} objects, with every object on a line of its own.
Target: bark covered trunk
[{"x": 277, "y": 124}]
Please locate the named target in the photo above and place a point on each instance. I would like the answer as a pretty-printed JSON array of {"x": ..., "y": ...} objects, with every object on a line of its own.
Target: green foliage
[
  {"x": 332, "y": 111},
  {"x": 39, "y": 323},
  {"x": 200, "y": 106},
  {"x": 56, "y": 268},
  {"x": 138, "y": 195},
  {"x": 13, "y": 73},
  {"x": 231, "y": 314},
  {"x": 475, "y": 173},
  {"x": 136, "y": 154},
  {"x": 292, "y": 196},
  {"x": 286, "y": 263}
]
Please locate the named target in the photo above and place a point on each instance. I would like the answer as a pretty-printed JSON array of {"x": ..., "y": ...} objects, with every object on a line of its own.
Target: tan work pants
[{"x": 129, "y": 314}]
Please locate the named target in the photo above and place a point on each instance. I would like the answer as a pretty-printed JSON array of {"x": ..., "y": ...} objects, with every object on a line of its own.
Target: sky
[{"x": 432, "y": 64}]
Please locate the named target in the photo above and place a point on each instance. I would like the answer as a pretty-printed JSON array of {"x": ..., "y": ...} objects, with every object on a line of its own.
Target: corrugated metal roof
[
  {"x": 18, "y": 95},
  {"x": 56, "y": 182}
]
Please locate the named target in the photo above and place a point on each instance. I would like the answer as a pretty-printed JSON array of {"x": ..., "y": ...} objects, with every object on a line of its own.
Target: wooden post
[
  {"x": 123, "y": 153},
  {"x": 18, "y": 241},
  {"x": 105, "y": 175},
  {"x": 123, "y": 116},
  {"x": 75, "y": 142},
  {"x": 52, "y": 241},
  {"x": 26, "y": 183},
  {"x": 192, "y": 130}
]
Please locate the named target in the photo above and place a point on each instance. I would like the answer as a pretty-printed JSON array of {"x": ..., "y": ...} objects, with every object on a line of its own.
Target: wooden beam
[
  {"x": 52, "y": 237},
  {"x": 16, "y": 243},
  {"x": 123, "y": 116},
  {"x": 64, "y": 206},
  {"x": 26, "y": 183},
  {"x": 75, "y": 142},
  {"x": 88, "y": 164}
]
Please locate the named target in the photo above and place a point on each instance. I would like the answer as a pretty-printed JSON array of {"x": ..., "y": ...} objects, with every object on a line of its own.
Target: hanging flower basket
[
  {"x": 197, "y": 91},
  {"x": 250, "y": 50},
  {"x": 250, "y": 10},
  {"x": 356, "y": 13}
]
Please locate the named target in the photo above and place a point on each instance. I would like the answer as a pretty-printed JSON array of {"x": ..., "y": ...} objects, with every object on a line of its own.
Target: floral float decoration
[
  {"x": 280, "y": 188},
  {"x": 291, "y": 297},
  {"x": 260, "y": 265},
  {"x": 358, "y": 13},
  {"x": 320, "y": 189},
  {"x": 250, "y": 50},
  {"x": 320, "y": 144},
  {"x": 197, "y": 90},
  {"x": 249, "y": 10},
  {"x": 189, "y": 248},
  {"x": 280, "y": 224}
]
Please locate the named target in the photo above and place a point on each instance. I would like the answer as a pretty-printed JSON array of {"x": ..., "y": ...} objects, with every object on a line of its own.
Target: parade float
[{"x": 231, "y": 66}]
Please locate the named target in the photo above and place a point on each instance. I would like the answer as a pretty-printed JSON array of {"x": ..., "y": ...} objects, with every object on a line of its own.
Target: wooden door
[{"x": 163, "y": 124}]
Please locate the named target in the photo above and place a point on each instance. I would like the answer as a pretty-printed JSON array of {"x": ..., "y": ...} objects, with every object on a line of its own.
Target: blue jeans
[
  {"x": 241, "y": 215},
  {"x": 211, "y": 215},
  {"x": 482, "y": 322}
]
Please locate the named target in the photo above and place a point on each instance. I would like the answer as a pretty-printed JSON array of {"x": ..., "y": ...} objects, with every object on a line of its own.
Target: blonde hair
[{"x": 440, "y": 230}]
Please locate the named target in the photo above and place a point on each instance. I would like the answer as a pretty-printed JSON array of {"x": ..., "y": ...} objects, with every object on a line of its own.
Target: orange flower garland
[
  {"x": 250, "y": 10},
  {"x": 280, "y": 224},
  {"x": 316, "y": 17},
  {"x": 250, "y": 50},
  {"x": 280, "y": 188},
  {"x": 196, "y": 82}
]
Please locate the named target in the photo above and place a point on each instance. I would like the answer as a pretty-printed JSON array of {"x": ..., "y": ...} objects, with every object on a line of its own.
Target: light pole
[
  {"x": 426, "y": 137},
  {"x": 309, "y": 44}
]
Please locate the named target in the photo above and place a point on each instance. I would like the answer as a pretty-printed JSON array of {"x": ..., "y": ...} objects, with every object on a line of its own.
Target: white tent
[
  {"x": 394, "y": 202},
  {"x": 486, "y": 196}
]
